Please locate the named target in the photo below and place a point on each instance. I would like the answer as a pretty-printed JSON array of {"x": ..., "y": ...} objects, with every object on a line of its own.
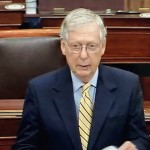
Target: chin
[{"x": 83, "y": 74}]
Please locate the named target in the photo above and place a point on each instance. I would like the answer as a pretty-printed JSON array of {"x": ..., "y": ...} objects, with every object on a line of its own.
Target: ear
[
  {"x": 63, "y": 48},
  {"x": 103, "y": 47}
]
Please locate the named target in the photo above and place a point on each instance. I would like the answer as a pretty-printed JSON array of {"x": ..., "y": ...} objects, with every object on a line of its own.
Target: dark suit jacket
[{"x": 50, "y": 122}]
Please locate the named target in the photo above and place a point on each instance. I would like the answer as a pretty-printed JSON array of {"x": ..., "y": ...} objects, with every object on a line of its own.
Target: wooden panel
[
  {"x": 126, "y": 21},
  {"x": 69, "y": 5},
  {"x": 136, "y": 4},
  {"x": 13, "y": 1},
  {"x": 18, "y": 1},
  {"x": 49, "y": 20},
  {"x": 9, "y": 26},
  {"x": 9, "y": 126},
  {"x": 10, "y": 19},
  {"x": 128, "y": 46},
  {"x": 29, "y": 33},
  {"x": 15, "y": 104},
  {"x": 6, "y": 142}
]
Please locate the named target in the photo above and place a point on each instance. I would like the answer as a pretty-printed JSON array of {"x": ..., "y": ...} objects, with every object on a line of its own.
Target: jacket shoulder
[
  {"x": 48, "y": 78},
  {"x": 118, "y": 73},
  {"x": 118, "y": 76}
]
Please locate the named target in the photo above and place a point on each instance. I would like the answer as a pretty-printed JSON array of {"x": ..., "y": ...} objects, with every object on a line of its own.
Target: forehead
[{"x": 88, "y": 31}]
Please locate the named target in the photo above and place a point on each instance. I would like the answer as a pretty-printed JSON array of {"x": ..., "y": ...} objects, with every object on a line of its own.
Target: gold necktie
[{"x": 85, "y": 116}]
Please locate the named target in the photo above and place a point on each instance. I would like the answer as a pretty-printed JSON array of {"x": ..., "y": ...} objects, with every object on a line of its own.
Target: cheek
[
  {"x": 71, "y": 59},
  {"x": 96, "y": 59}
]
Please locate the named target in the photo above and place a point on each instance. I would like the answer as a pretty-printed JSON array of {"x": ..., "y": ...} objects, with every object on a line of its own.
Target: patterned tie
[{"x": 85, "y": 116}]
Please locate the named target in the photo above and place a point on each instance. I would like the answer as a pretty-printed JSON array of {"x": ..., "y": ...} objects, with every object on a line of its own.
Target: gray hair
[{"x": 79, "y": 17}]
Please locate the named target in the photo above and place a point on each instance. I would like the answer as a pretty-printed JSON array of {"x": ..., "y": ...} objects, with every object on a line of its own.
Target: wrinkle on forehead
[{"x": 88, "y": 31}]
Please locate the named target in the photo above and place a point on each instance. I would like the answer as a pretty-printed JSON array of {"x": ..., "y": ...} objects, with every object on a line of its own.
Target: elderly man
[{"x": 85, "y": 105}]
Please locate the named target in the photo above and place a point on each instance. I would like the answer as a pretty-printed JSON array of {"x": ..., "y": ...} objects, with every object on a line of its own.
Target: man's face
[{"x": 83, "y": 60}]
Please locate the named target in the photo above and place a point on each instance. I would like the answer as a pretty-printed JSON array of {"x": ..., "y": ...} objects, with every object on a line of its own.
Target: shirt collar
[{"x": 77, "y": 83}]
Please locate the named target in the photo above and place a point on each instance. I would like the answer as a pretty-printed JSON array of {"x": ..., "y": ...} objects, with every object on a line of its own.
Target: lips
[{"x": 84, "y": 66}]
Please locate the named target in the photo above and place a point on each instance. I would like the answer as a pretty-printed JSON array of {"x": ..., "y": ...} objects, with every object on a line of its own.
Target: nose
[{"x": 83, "y": 53}]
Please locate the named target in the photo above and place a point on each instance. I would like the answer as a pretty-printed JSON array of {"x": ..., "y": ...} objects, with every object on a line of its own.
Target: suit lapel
[
  {"x": 103, "y": 102},
  {"x": 65, "y": 104}
]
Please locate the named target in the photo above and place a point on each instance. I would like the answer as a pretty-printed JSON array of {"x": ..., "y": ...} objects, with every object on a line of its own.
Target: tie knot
[{"x": 86, "y": 87}]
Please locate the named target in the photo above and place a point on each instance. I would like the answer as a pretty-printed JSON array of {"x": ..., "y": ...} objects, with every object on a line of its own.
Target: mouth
[{"x": 84, "y": 67}]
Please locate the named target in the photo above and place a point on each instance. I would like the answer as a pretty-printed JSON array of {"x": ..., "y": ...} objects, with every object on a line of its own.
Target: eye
[
  {"x": 92, "y": 46},
  {"x": 75, "y": 46}
]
